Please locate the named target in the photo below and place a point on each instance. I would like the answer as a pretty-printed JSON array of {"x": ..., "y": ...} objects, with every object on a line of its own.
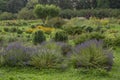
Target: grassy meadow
[{"x": 23, "y": 30}]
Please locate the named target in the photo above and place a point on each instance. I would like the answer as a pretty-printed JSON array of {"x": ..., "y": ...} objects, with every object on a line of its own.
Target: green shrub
[
  {"x": 91, "y": 54},
  {"x": 1, "y": 39},
  {"x": 19, "y": 31},
  {"x": 88, "y": 36},
  {"x": 0, "y": 30},
  {"x": 38, "y": 37},
  {"x": 74, "y": 30},
  {"x": 99, "y": 13},
  {"x": 14, "y": 23},
  {"x": 10, "y": 39},
  {"x": 112, "y": 39},
  {"x": 33, "y": 26},
  {"x": 13, "y": 29},
  {"x": 6, "y": 29},
  {"x": 48, "y": 56},
  {"x": 61, "y": 36},
  {"x": 55, "y": 22},
  {"x": 74, "y": 26},
  {"x": 89, "y": 29},
  {"x": 109, "y": 42},
  {"x": 7, "y": 16},
  {"x": 81, "y": 38},
  {"x": 68, "y": 13},
  {"x": 26, "y": 14},
  {"x": 117, "y": 40},
  {"x": 65, "y": 48},
  {"x": 97, "y": 35}
]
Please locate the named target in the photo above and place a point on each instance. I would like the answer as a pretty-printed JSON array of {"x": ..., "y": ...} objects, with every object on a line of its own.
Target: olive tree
[{"x": 46, "y": 11}]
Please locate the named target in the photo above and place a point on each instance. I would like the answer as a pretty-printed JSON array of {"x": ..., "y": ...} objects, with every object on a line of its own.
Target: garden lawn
[{"x": 7, "y": 73}]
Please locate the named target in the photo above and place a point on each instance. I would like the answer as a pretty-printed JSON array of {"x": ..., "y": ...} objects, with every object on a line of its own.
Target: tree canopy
[{"x": 15, "y": 6}]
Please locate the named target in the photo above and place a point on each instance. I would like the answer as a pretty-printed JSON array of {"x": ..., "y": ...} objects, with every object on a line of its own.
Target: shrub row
[
  {"x": 13, "y": 23},
  {"x": 100, "y": 13},
  {"x": 89, "y": 54},
  {"x": 23, "y": 14},
  {"x": 67, "y": 13},
  {"x": 59, "y": 36}
]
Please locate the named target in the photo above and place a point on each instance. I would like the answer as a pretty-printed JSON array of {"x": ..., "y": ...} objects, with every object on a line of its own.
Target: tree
[
  {"x": 43, "y": 1},
  {"x": 31, "y": 4},
  {"x": 15, "y": 5},
  {"x": 26, "y": 14},
  {"x": 103, "y": 3},
  {"x": 65, "y": 4},
  {"x": 3, "y": 5},
  {"x": 114, "y": 3},
  {"x": 46, "y": 11}
]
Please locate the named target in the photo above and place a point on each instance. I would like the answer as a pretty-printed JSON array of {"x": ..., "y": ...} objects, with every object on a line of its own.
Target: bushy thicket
[
  {"x": 7, "y": 16},
  {"x": 26, "y": 14},
  {"x": 48, "y": 56},
  {"x": 56, "y": 22},
  {"x": 66, "y": 13},
  {"x": 13, "y": 23},
  {"x": 38, "y": 37},
  {"x": 88, "y": 36},
  {"x": 77, "y": 26},
  {"x": 100, "y": 13},
  {"x": 60, "y": 36},
  {"x": 90, "y": 54},
  {"x": 15, "y": 54}
]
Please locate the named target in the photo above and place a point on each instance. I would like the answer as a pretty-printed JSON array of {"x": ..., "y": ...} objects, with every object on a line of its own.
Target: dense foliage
[
  {"x": 69, "y": 7},
  {"x": 46, "y": 11},
  {"x": 38, "y": 37},
  {"x": 92, "y": 54},
  {"x": 59, "y": 47}
]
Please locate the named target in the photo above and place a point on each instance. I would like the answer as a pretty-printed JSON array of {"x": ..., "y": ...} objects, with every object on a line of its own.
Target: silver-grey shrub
[
  {"x": 92, "y": 54},
  {"x": 15, "y": 54},
  {"x": 48, "y": 56}
]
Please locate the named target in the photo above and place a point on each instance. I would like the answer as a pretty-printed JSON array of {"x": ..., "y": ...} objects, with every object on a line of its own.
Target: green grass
[{"x": 7, "y": 73}]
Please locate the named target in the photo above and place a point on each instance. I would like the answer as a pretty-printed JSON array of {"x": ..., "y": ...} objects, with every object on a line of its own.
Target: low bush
[
  {"x": 7, "y": 16},
  {"x": 81, "y": 38},
  {"x": 48, "y": 56},
  {"x": 15, "y": 54},
  {"x": 55, "y": 22},
  {"x": 112, "y": 40},
  {"x": 74, "y": 30},
  {"x": 13, "y": 29},
  {"x": 6, "y": 29},
  {"x": 74, "y": 26},
  {"x": 38, "y": 37},
  {"x": 91, "y": 54},
  {"x": 13, "y": 23},
  {"x": 19, "y": 31},
  {"x": 68, "y": 13},
  {"x": 117, "y": 41},
  {"x": 96, "y": 35},
  {"x": 60, "y": 36},
  {"x": 26, "y": 14},
  {"x": 1, "y": 40},
  {"x": 10, "y": 39},
  {"x": 88, "y": 36},
  {"x": 99, "y": 13},
  {"x": 66, "y": 49}
]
